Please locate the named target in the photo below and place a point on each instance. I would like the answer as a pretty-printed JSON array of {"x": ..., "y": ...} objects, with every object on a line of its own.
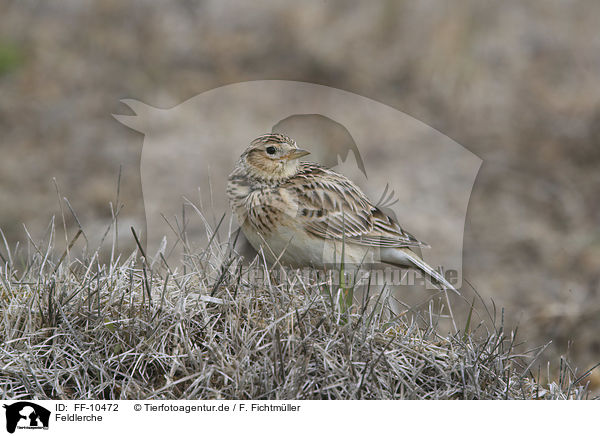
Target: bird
[{"x": 303, "y": 214}]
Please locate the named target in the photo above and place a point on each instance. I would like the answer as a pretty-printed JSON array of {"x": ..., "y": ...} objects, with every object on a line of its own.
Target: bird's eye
[{"x": 270, "y": 150}]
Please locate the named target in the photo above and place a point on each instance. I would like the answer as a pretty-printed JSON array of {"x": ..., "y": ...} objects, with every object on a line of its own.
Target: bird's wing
[{"x": 332, "y": 207}]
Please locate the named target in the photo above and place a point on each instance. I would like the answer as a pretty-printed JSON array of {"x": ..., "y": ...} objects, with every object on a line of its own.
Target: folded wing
[{"x": 332, "y": 207}]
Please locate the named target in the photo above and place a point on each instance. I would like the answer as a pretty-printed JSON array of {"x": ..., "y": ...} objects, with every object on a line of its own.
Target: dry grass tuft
[{"x": 73, "y": 327}]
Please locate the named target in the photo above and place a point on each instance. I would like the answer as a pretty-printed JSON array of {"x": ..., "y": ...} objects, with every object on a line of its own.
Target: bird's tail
[{"x": 405, "y": 257}]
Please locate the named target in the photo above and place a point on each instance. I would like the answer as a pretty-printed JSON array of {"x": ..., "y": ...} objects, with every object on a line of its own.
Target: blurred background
[{"x": 516, "y": 83}]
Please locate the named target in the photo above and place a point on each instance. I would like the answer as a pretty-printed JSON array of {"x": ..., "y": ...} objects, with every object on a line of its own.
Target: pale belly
[{"x": 297, "y": 249}]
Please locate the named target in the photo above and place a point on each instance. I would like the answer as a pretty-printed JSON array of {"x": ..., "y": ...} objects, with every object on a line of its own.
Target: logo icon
[
  {"x": 26, "y": 415},
  {"x": 189, "y": 150}
]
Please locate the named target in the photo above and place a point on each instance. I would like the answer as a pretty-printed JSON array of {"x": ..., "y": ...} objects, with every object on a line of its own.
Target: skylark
[{"x": 303, "y": 214}]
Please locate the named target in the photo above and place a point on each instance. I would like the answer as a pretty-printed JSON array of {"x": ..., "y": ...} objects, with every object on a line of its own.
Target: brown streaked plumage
[{"x": 302, "y": 213}]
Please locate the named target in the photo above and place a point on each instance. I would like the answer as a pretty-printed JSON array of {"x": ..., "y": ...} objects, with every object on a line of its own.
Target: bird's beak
[{"x": 296, "y": 154}]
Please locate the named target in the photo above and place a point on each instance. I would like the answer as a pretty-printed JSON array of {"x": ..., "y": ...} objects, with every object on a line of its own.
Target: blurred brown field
[{"x": 517, "y": 83}]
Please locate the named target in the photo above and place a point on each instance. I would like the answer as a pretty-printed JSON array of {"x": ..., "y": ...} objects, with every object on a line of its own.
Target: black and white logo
[{"x": 26, "y": 415}]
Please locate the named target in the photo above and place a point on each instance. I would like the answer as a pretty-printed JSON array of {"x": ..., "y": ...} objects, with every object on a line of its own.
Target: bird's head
[{"x": 272, "y": 157}]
